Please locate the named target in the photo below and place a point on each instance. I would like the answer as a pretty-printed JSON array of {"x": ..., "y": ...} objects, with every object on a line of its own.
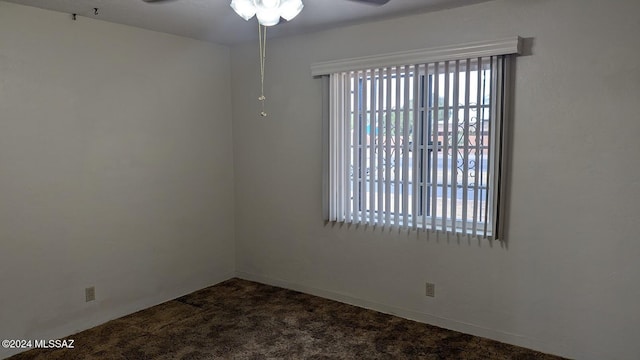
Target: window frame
[{"x": 424, "y": 56}]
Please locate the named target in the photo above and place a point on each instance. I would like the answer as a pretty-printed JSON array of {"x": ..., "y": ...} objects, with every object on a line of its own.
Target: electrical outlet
[
  {"x": 430, "y": 290},
  {"x": 90, "y": 294}
]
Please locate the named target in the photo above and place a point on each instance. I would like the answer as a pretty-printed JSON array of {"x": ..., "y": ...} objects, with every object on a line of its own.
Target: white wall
[
  {"x": 116, "y": 170},
  {"x": 567, "y": 283}
]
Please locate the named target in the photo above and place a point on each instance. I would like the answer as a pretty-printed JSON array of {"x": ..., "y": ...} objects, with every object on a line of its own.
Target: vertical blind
[{"x": 418, "y": 146}]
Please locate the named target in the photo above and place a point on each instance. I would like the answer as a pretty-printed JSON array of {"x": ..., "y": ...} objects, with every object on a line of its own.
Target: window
[{"x": 419, "y": 146}]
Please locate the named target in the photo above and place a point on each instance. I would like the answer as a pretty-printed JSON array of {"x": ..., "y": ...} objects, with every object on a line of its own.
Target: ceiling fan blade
[{"x": 372, "y": 2}]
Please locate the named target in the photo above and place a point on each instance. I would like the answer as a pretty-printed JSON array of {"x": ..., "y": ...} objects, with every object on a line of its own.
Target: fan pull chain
[{"x": 262, "y": 34}]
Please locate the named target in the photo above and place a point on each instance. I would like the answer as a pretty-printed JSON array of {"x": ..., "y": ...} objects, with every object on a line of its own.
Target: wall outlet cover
[
  {"x": 430, "y": 290},
  {"x": 89, "y": 294}
]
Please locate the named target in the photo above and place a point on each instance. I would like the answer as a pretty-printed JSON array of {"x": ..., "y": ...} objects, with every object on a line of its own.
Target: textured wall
[
  {"x": 116, "y": 170},
  {"x": 567, "y": 283}
]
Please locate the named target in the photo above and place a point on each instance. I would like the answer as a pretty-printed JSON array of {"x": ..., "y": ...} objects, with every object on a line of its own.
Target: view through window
[{"x": 416, "y": 145}]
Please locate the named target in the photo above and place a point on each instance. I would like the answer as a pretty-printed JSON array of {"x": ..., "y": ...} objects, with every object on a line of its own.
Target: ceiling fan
[
  {"x": 371, "y": 2},
  {"x": 269, "y": 13}
]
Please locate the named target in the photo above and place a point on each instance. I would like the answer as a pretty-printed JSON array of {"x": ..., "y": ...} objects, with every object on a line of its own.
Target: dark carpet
[{"x": 240, "y": 319}]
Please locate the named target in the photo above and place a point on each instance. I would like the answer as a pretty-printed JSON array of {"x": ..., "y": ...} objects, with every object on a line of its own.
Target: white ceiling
[{"x": 215, "y": 21}]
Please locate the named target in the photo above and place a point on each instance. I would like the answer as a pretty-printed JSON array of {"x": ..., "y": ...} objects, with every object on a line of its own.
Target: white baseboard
[
  {"x": 450, "y": 324},
  {"x": 81, "y": 324}
]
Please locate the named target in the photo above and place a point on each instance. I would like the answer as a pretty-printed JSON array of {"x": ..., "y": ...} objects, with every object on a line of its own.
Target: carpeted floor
[{"x": 239, "y": 319}]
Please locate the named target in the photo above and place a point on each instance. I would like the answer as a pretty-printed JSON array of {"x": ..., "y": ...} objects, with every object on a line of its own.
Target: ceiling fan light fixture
[
  {"x": 244, "y": 8},
  {"x": 267, "y": 11},
  {"x": 267, "y": 4},
  {"x": 268, "y": 17},
  {"x": 290, "y": 9}
]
